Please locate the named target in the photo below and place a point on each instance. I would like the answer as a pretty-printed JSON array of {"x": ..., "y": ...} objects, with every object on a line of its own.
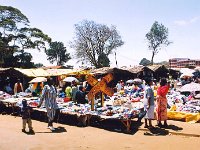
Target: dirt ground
[{"x": 91, "y": 138}]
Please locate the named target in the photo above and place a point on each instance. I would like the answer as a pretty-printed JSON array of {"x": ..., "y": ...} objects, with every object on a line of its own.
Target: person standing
[
  {"x": 18, "y": 87},
  {"x": 68, "y": 90},
  {"x": 161, "y": 101},
  {"x": 49, "y": 95},
  {"x": 26, "y": 117},
  {"x": 8, "y": 88},
  {"x": 149, "y": 103},
  {"x": 74, "y": 90}
]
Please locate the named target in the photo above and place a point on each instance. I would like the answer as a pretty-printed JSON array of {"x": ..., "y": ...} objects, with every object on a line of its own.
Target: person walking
[
  {"x": 49, "y": 95},
  {"x": 161, "y": 101}
]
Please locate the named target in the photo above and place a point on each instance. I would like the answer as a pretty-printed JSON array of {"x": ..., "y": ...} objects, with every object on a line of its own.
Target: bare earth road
[{"x": 90, "y": 138}]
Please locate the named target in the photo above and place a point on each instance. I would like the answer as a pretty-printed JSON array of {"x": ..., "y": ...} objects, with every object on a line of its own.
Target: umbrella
[
  {"x": 130, "y": 81},
  {"x": 197, "y": 96},
  {"x": 70, "y": 79},
  {"x": 185, "y": 72},
  {"x": 38, "y": 79},
  {"x": 188, "y": 74},
  {"x": 137, "y": 80},
  {"x": 191, "y": 87}
]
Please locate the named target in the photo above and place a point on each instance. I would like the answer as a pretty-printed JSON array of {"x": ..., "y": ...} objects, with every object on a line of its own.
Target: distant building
[{"x": 183, "y": 62}]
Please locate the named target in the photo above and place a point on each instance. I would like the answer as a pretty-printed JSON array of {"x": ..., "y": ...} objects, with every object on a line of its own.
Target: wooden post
[
  {"x": 102, "y": 99},
  {"x": 92, "y": 103}
]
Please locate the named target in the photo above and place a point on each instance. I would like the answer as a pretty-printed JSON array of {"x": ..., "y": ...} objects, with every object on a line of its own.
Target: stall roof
[
  {"x": 156, "y": 67},
  {"x": 38, "y": 72},
  {"x": 137, "y": 69},
  {"x": 58, "y": 72},
  {"x": 106, "y": 70},
  {"x": 4, "y": 69}
]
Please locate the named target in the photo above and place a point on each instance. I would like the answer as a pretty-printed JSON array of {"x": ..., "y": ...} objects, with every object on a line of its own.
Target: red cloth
[
  {"x": 163, "y": 90},
  {"x": 161, "y": 103}
]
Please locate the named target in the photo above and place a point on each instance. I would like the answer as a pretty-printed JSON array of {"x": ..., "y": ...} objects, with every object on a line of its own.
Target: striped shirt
[{"x": 49, "y": 96}]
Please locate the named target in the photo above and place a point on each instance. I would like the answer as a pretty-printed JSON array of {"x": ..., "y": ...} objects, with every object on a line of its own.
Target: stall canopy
[
  {"x": 38, "y": 72},
  {"x": 159, "y": 71},
  {"x": 191, "y": 87},
  {"x": 141, "y": 71}
]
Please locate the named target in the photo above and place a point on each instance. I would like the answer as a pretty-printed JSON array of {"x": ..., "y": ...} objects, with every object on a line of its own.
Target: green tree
[
  {"x": 157, "y": 37},
  {"x": 38, "y": 65},
  {"x": 57, "y": 53},
  {"x": 92, "y": 41},
  {"x": 16, "y": 34},
  {"x": 103, "y": 60},
  {"x": 24, "y": 59},
  {"x": 145, "y": 62}
]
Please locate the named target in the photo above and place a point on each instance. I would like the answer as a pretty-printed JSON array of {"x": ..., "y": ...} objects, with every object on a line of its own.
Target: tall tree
[
  {"x": 157, "y": 37},
  {"x": 57, "y": 53},
  {"x": 15, "y": 34},
  {"x": 92, "y": 41}
]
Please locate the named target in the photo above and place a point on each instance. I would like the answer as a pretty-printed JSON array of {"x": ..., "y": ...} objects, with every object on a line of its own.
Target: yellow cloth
[{"x": 188, "y": 117}]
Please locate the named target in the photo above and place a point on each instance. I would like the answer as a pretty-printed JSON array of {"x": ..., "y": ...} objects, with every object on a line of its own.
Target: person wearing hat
[{"x": 26, "y": 116}]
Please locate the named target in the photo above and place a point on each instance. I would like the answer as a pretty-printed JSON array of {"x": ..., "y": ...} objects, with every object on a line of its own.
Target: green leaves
[
  {"x": 57, "y": 53},
  {"x": 157, "y": 37},
  {"x": 16, "y": 35}
]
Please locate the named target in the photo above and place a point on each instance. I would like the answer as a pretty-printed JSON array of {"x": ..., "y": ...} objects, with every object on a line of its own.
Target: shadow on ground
[
  {"x": 157, "y": 132},
  {"x": 174, "y": 127},
  {"x": 115, "y": 125},
  {"x": 57, "y": 130}
]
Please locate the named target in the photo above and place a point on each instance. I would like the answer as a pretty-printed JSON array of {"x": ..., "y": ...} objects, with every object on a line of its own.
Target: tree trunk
[{"x": 153, "y": 54}]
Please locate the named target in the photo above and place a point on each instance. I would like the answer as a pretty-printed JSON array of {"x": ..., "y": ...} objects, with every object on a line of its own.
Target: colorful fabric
[{"x": 161, "y": 101}]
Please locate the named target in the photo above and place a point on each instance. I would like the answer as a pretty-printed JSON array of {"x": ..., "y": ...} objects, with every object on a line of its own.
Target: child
[{"x": 26, "y": 117}]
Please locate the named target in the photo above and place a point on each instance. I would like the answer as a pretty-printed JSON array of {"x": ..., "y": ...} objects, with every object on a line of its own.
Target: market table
[
  {"x": 11, "y": 102},
  {"x": 126, "y": 122}
]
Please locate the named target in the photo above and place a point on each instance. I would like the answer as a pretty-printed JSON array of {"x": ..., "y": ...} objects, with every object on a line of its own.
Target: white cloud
[{"x": 187, "y": 22}]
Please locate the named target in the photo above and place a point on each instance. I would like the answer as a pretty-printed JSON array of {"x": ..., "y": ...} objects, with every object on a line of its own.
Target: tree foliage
[
  {"x": 95, "y": 41},
  {"x": 103, "y": 60},
  {"x": 157, "y": 37},
  {"x": 145, "y": 62},
  {"x": 17, "y": 35},
  {"x": 38, "y": 65},
  {"x": 57, "y": 53}
]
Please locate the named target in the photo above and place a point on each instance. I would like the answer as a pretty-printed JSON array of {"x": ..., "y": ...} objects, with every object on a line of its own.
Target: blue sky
[{"x": 133, "y": 19}]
